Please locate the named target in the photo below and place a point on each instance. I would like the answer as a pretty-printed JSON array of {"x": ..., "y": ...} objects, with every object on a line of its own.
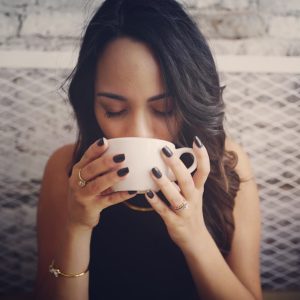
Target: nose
[{"x": 139, "y": 126}]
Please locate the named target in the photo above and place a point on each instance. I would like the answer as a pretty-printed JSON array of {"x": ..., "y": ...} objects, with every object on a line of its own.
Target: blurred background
[{"x": 256, "y": 44}]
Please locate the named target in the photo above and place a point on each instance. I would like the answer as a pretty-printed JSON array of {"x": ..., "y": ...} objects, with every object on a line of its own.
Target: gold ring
[
  {"x": 183, "y": 205},
  {"x": 81, "y": 181}
]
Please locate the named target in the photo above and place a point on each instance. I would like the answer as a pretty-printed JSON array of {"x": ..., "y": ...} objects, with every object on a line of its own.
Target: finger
[
  {"x": 94, "y": 151},
  {"x": 102, "y": 165},
  {"x": 180, "y": 171},
  {"x": 107, "y": 192},
  {"x": 177, "y": 187},
  {"x": 103, "y": 182},
  {"x": 159, "y": 206},
  {"x": 203, "y": 167},
  {"x": 167, "y": 187}
]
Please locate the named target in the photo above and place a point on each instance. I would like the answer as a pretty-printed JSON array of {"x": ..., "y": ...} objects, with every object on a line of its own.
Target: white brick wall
[
  {"x": 53, "y": 24},
  {"x": 232, "y": 25},
  {"x": 257, "y": 27},
  {"x": 17, "y": 3},
  {"x": 280, "y": 7},
  {"x": 287, "y": 27},
  {"x": 237, "y": 5},
  {"x": 8, "y": 25}
]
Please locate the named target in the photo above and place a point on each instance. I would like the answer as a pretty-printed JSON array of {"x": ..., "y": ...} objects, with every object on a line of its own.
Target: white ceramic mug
[{"x": 141, "y": 155}]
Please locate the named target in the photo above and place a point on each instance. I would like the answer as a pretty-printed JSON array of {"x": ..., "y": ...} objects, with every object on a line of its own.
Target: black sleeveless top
[{"x": 133, "y": 257}]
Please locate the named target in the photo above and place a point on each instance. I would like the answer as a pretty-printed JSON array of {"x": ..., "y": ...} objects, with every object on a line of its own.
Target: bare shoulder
[
  {"x": 55, "y": 177},
  {"x": 243, "y": 167},
  {"x": 243, "y": 258},
  {"x": 61, "y": 159},
  {"x": 54, "y": 186}
]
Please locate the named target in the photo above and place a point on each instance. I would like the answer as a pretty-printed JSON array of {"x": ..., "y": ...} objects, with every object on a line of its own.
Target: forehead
[{"x": 127, "y": 66}]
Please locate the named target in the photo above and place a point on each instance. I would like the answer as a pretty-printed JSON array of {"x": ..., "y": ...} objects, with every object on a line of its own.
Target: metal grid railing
[
  {"x": 263, "y": 114},
  {"x": 34, "y": 121}
]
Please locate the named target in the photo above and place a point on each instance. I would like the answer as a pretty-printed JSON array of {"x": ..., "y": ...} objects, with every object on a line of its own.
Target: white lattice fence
[
  {"x": 263, "y": 114},
  {"x": 34, "y": 120}
]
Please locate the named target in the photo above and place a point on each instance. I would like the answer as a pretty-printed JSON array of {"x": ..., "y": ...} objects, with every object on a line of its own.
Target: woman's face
[{"x": 130, "y": 96}]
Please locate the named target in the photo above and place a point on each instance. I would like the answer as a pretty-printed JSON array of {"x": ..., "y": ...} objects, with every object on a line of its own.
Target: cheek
[
  {"x": 165, "y": 131},
  {"x": 104, "y": 123},
  {"x": 99, "y": 117},
  {"x": 112, "y": 127}
]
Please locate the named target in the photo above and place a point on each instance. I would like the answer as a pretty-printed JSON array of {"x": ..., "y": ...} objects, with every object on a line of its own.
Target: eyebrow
[{"x": 122, "y": 98}]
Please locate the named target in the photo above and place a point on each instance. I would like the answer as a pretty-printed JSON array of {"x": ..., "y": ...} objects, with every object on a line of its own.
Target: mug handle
[{"x": 191, "y": 168}]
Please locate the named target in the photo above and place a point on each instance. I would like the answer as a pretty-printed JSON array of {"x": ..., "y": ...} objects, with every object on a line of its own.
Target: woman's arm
[
  {"x": 68, "y": 245},
  {"x": 69, "y": 208},
  {"x": 239, "y": 276}
]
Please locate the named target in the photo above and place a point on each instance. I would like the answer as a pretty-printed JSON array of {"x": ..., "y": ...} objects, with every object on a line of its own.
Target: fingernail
[
  {"x": 156, "y": 172},
  {"x": 167, "y": 151},
  {"x": 122, "y": 172},
  {"x": 132, "y": 192},
  {"x": 100, "y": 142},
  {"x": 150, "y": 194},
  {"x": 198, "y": 142},
  {"x": 118, "y": 158}
]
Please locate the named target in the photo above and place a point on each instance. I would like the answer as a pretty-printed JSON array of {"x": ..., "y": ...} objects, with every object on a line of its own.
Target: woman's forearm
[
  {"x": 212, "y": 276},
  {"x": 72, "y": 257}
]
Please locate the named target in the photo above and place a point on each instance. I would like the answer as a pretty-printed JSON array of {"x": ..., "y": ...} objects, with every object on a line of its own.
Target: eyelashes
[
  {"x": 110, "y": 114},
  {"x": 113, "y": 114}
]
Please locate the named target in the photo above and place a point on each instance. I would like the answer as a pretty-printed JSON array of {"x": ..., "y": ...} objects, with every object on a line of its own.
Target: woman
[{"x": 145, "y": 70}]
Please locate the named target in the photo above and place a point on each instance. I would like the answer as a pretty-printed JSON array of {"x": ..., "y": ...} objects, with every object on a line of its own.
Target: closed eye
[{"x": 111, "y": 114}]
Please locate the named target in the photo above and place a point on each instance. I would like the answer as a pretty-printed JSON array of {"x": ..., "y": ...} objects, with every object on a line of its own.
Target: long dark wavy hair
[{"x": 191, "y": 79}]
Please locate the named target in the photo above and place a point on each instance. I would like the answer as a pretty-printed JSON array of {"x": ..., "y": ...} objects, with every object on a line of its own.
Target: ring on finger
[
  {"x": 181, "y": 206},
  {"x": 81, "y": 181}
]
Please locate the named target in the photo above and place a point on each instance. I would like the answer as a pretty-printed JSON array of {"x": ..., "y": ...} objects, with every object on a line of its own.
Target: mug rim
[{"x": 140, "y": 138}]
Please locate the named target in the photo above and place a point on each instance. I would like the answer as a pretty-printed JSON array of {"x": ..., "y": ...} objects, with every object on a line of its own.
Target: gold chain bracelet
[{"x": 57, "y": 272}]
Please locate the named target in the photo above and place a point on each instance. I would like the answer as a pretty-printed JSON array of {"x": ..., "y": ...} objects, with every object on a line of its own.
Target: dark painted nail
[
  {"x": 156, "y": 172},
  {"x": 100, "y": 142},
  {"x": 150, "y": 194},
  {"x": 198, "y": 142},
  {"x": 132, "y": 192},
  {"x": 167, "y": 151},
  {"x": 118, "y": 158},
  {"x": 122, "y": 172}
]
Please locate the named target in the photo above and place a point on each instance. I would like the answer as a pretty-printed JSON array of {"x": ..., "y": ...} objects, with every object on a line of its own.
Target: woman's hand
[
  {"x": 90, "y": 185},
  {"x": 186, "y": 224}
]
